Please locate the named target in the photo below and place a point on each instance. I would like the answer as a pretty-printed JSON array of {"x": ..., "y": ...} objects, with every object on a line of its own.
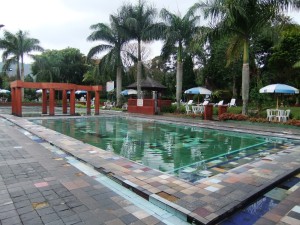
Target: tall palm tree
[
  {"x": 140, "y": 26},
  {"x": 114, "y": 40},
  {"x": 242, "y": 20},
  {"x": 178, "y": 34},
  {"x": 15, "y": 47}
]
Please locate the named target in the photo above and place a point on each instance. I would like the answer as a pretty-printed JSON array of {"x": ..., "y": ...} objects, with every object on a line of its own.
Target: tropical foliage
[
  {"x": 242, "y": 21},
  {"x": 114, "y": 39},
  {"x": 178, "y": 34},
  {"x": 67, "y": 66},
  {"x": 15, "y": 47},
  {"x": 140, "y": 26}
]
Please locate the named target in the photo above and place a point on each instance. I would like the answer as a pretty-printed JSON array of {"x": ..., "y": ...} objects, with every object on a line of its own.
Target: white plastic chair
[
  {"x": 195, "y": 109},
  {"x": 280, "y": 115},
  {"x": 232, "y": 102},
  {"x": 187, "y": 109},
  {"x": 270, "y": 115},
  {"x": 286, "y": 115}
]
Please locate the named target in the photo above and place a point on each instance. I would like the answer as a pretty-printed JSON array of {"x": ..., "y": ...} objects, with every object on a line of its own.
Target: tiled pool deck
[{"x": 205, "y": 202}]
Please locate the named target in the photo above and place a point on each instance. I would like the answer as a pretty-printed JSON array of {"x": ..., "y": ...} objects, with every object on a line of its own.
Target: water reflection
[{"x": 166, "y": 147}]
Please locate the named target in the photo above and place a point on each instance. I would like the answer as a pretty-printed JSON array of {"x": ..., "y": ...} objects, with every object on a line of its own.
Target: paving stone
[
  {"x": 8, "y": 214},
  {"x": 128, "y": 219},
  {"x": 11, "y": 221},
  {"x": 47, "y": 218}
]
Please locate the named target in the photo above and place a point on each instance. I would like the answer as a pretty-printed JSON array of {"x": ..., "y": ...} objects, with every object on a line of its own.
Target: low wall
[{"x": 146, "y": 106}]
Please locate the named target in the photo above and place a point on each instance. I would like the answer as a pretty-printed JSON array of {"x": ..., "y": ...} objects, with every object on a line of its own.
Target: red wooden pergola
[{"x": 16, "y": 96}]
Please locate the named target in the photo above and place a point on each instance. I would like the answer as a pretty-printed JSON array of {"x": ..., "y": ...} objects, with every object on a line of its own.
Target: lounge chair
[
  {"x": 125, "y": 107},
  {"x": 108, "y": 105},
  {"x": 232, "y": 102},
  {"x": 190, "y": 102},
  {"x": 219, "y": 103},
  {"x": 205, "y": 102}
]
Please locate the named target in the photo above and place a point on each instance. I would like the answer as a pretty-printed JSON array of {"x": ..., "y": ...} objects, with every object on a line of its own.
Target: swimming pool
[{"x": 188, "y": 152}]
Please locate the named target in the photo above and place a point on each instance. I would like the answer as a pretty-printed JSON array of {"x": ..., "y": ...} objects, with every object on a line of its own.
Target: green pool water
[{"x": 185, "y": 151}]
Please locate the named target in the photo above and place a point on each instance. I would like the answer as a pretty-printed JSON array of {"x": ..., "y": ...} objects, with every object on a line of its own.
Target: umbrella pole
[{"x": 277, "y": 101}]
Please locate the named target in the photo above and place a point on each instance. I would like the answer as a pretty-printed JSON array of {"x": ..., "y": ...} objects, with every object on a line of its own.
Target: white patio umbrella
[
  {"x": 79, "y": 92},
  {"x": 279, "y": 89},
  {"x": 40, "y": 91},
  {"x": 129, "y": 92},
  {"x": 4, "y": 91},
  {"x": 198, "y": 91}
]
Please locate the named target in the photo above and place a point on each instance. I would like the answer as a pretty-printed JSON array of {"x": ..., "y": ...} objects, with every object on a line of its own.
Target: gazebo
[
  {"x": 149, "y": 106},
  {"x": 148, "y": 84}
]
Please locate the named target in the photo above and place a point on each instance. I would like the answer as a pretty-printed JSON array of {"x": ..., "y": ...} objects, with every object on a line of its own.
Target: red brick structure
[
  {"x": 16, "y": 96},
  {"x": 146, "y": 106}
]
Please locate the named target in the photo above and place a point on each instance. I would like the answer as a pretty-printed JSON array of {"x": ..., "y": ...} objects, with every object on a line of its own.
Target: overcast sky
[{"x": 59, "y": 24}]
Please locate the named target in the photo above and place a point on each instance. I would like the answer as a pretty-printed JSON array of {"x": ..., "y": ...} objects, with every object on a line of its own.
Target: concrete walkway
[{"x": 39, "y": 187}]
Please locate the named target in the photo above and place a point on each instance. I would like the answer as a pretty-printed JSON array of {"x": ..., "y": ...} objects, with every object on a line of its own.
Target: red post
[
  {"x": 222, "y": 109},
  {"x": 88, "y": 103},
  {"x": 52, "y": 102},
  {"x": 97, "y": 103},
  {"x": 72, "y": 102},
  {"x": 208, "y": 112},
  {"x": 13, "y": 99},
  {"x": 64, "y": 102},
  {"x": 44, "y": 101},
  {"x": 18, "y": 101}
]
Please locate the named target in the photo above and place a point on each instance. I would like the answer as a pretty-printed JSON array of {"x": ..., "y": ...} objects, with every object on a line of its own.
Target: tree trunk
[
  {"x": 179, "y": 73},
  {"x": 234, "y": 91},
  {"x": 22, "y": 75},
  {"x": 18, "y": 71},
  {"x": 22, "y": 68},
  {"x": 245, "y": 88},
  {"x": 245, "y": 78},
  {"x": 138, "y": 79},
  {"x": 119, "y": 86},
  {"x": 139, "y": 72}
]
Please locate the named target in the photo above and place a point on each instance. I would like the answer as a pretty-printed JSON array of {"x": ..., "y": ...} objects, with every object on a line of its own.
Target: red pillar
[
  {"x": 64, "y": 102},
  {"x": 72, "y": 102},
  {"x": 51, "y": 102},
  {"x": 44, "y": 101},
  {"x": 97, "y": 103},
  {"x": 13, "y": 100},
  {"x": 18, "y": 101},
  {"x": 88, "y": 103}
]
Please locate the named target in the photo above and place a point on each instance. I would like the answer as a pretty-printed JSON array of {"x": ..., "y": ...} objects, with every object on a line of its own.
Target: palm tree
[
  {"x": 178, "y": 34},
  {"x": 141, "y": 27},
  {"x": 242, "y": 20},
  {"x": 15, "y": 47},
  {"x": 114, "y": 40}
]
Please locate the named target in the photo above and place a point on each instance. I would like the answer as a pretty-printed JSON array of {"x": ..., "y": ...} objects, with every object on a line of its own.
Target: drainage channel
[{"x": 161, "y": 214}]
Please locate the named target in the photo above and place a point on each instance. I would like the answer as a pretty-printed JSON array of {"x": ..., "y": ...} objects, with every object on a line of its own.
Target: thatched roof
[{"x": 148, "y": 84}]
